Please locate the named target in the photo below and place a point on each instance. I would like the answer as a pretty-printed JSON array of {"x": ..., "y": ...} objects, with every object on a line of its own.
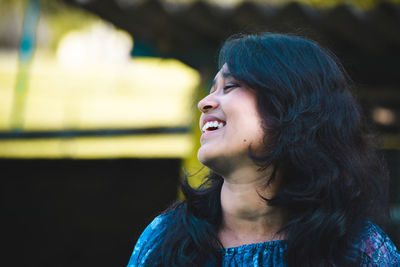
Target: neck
[{"x": 246, "y": 217}]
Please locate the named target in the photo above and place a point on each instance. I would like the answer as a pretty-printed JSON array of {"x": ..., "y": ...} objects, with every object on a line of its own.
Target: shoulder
[
  {"x": 376, "y": 248},
  {"x": 150, "y": 239}
]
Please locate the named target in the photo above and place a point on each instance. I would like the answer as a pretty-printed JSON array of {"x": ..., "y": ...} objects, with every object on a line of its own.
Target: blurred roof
[{"x": 368, "y": 41}]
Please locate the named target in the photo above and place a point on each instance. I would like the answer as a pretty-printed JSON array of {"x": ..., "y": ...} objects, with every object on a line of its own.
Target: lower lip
[{"x": 210, "y": 132}]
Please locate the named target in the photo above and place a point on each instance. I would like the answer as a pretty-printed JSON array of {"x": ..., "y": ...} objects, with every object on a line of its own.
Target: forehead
[{"x": 223, "y": 73}]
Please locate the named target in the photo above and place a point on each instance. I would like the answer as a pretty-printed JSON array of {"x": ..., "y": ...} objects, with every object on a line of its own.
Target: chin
[
  {"x": 216, "y": 163},
  {"x": 203, "y": 156}
]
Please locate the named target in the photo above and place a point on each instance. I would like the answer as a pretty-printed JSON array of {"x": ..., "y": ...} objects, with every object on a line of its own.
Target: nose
[{"x": 207, "y": 103}]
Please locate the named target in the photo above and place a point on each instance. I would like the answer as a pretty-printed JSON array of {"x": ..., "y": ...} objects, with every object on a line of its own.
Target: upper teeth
[{"x": 210, "y": 124}]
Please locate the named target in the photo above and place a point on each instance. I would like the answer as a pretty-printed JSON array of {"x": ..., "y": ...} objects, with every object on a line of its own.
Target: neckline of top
[{"x": 252, "y": 246}]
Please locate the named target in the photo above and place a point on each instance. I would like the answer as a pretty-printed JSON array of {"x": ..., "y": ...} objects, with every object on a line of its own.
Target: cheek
[
  {"x": 254, "y": 133},
  {"x": 246, "y": 123},
  {"x": 243, "y": 136}
]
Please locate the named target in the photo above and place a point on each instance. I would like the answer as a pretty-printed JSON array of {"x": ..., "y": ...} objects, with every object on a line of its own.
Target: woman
[{"x": 294, "y": 177}]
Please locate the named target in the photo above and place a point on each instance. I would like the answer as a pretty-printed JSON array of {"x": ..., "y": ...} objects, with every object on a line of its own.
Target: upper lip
[{"x": 211, "y": 118}]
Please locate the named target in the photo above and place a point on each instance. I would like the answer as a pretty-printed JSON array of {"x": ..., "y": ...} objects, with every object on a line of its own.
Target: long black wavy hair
[{"x": 315, "y": 137}]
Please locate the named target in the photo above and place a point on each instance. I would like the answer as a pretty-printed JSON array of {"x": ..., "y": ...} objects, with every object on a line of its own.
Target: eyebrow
[{"x": 226, "y": 74}]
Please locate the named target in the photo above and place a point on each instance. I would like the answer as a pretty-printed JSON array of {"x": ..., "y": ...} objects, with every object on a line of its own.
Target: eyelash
[{"x": 230, "y": 86}]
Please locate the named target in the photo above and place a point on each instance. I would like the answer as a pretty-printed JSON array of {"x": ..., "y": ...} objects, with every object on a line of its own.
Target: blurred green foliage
[
  {"x": 362, "y": 4},
  {"x": 57, "y": 4}
]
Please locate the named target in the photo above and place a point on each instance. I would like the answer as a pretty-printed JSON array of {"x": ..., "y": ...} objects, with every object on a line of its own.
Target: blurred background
[{"x": 98, "y": 118}]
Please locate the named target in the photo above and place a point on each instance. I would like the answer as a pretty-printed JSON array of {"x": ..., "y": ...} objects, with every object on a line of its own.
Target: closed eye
[{"x": 230, "y": 86}]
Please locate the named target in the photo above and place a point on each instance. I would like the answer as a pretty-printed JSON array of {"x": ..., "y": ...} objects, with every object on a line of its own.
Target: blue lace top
[{"x": 375, "y": 247}]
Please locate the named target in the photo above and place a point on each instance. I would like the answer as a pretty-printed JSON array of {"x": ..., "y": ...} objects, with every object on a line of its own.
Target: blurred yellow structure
[
  {"x": 142, "y": 146},
  {"x": 144, "y": 92},
  {"x": 140, "y": 93}
]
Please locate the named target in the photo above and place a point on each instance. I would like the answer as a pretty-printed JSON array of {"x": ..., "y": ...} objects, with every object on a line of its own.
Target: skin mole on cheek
[{"x": 244, "y": 140}]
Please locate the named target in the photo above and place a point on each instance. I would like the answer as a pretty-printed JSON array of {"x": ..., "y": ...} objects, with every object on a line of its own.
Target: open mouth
[{"x": 212, "y": 126}]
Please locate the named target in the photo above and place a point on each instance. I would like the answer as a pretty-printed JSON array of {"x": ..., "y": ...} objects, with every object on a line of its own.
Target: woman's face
[{"x": 230, "y": 123}]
